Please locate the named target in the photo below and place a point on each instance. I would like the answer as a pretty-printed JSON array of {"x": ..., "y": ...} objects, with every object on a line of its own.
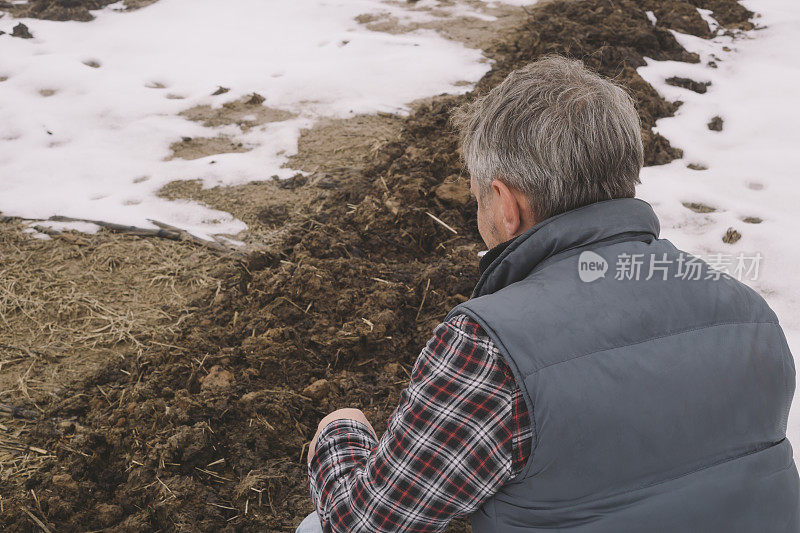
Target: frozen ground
[
  {"x": 753, "y": 164},
  {"x": 88, "y": 114}
]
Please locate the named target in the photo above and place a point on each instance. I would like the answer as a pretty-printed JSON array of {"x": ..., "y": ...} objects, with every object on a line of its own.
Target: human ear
[{"x": 510, "y": 211}]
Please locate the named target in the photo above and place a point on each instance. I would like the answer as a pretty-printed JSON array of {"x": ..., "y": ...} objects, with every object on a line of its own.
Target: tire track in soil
[{"x": 210, "y": 436}]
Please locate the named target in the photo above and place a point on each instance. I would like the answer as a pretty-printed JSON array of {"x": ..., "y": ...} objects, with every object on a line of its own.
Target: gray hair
[{"x": 561, "y": 134}]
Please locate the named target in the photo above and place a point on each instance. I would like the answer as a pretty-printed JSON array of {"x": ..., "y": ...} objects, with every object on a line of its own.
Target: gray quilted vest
[{"x": 659, "y": 400}]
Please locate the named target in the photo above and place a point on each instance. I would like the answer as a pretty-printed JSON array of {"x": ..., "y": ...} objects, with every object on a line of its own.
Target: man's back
[
  {"x": 659, "y": 401},
  {"x": 599, "y": 379}
]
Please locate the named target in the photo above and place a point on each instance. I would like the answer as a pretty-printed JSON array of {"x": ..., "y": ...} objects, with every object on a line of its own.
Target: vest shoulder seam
[
  {"x": 657, "y": 337},
  {"x": 762, "y": 447}
]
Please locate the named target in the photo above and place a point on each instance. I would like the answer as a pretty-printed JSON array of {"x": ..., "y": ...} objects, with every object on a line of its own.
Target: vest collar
[
  {"x": 580, "y": 227},
  {"x": 487, "y": 260}
]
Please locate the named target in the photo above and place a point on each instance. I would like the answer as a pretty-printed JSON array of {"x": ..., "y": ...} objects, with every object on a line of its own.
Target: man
[{"x": 598, "y": 380}]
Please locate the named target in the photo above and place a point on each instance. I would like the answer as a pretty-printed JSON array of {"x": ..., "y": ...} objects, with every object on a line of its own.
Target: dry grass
[
  {"x": 16, "y": 458},
  {"x": 70, "y": 303}
]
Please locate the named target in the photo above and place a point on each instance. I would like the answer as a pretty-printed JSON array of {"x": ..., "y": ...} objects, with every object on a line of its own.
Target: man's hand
[{"x": 348, "y": 414}]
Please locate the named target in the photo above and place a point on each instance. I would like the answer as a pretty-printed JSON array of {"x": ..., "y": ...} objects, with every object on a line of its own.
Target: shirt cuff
[
  {"x": 342, "y": 445},
  {"x": 344, "y": 426}
]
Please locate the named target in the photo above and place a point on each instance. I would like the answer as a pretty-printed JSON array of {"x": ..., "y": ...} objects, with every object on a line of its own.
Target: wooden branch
[
  {"x": 121, "y": 228},
  {"x": 164, "y": 231}
]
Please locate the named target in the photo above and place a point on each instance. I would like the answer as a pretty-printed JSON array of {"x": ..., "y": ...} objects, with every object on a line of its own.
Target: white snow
[
  {"x": 91, "y": 143},
  {"x": 753, "y": 163}
]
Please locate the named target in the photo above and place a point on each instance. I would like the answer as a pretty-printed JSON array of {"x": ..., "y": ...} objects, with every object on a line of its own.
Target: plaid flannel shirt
[{"x": 461, "y": 431}]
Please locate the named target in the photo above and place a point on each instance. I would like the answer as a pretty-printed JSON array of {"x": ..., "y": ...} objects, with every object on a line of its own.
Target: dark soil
[
  {"x": 60, "y": 9},
  {"x": 688, "y": 83},
  {"x": 21, "y": 31},
  {"x": 209, "y": 433},
  {"x": 65, "y": 9}
]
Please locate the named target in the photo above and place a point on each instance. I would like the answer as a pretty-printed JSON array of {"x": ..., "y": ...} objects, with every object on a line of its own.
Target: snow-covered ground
[
  {"x": 88, "y": 111},
  {"x": 753, "y": 164}
]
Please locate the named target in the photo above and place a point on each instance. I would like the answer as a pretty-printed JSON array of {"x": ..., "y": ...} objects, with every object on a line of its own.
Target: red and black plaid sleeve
[{"x": 461, "y": 431}]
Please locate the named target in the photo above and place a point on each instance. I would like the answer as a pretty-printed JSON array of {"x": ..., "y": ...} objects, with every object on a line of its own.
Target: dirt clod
[
  {"x": 318, "y": 390},
  {"x": 256, "y": 99},
  {"x": 454, "y": 193},
  {"x": 715, "y": 124},
  {"x": 687, "y": 83},
  {"x": 731, "y": 236},
  {"x": 217, "y": 380},
  {"x": 21, "y": 31},
  {"x": 682, "y": 17},
  {"x": 697, "y": 207},
  {"x": 65, "y": 481}
]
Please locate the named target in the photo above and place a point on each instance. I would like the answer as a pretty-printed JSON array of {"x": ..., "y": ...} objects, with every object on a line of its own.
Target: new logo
[{"x": 591, "y": 266}]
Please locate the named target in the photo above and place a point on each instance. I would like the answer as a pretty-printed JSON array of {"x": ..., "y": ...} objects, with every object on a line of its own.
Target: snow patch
[{"x": 89, "y": 110}]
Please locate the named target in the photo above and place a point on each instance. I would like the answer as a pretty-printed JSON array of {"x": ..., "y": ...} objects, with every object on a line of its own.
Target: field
[{"x": 166, "y": 385}]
